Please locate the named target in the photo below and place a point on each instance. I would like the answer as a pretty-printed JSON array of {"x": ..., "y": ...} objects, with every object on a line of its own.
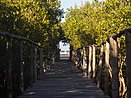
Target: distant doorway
[{"x": 64, "y": 47}]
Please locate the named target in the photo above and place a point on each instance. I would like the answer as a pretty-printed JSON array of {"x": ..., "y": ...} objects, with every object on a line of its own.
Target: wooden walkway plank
[{"x": 63, "y": 81}]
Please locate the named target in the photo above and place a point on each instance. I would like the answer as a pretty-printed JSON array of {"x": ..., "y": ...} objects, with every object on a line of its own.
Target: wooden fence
[
  {"x": 107, "y": 66},
  {"x": 21, "y": 63}
]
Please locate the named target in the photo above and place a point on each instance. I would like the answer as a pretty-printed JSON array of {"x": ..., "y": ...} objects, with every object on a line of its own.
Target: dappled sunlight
[
  {"x": 72, "y": 91},
  {"x": 64, "y": 81},
  {"x": 31, "y": 93}
]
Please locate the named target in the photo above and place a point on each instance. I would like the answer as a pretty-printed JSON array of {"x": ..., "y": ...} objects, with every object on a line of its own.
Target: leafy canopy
[
  {"x": 93, "y": 23},
  {"x": 38, "y": 20}
]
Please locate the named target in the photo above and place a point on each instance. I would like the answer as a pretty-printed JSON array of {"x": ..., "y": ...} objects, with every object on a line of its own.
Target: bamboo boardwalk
[{"x": 63, "y": 81}]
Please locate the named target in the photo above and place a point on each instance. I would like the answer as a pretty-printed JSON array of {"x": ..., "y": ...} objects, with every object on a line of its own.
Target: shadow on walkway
[{"x": 63, "y": 81}]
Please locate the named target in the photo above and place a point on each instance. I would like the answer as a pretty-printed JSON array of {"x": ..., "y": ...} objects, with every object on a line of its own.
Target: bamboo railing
[
  {"x": 21, "y": 64},
  {"x": 106, "y": 69}
]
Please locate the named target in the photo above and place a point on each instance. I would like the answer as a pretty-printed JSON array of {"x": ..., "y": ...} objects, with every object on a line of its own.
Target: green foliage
[
  {"x": 93, "y": 23},
  {"x": 38, "y": 20}
]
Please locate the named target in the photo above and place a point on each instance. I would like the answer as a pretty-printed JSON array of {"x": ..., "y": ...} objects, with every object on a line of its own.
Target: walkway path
[{"x": 63, "y": 81}]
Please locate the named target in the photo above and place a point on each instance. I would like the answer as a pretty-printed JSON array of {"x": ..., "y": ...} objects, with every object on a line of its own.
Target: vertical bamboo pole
[
  {"x": 31, "y": 64},
  {"x": 81, "y": 57},
  {"x": 100, "y": 67},
  {"x": 93, "y": 61},
  {"x": 107, "y": 68},
  {"x": 9, "y": 67},
  {"x": 35, "y": 63},
  {"x": 41, "y": 61},
  {"x": 128, "y": 63},
  {"x": 122, "y": 85},
  {"x": 84, "y": 62},
  {"x": 114, "y": 65},
  {"x": 71, "y": 50},
  {"x": 89, "y": 63},
  {"x": 21, "y": 67}
]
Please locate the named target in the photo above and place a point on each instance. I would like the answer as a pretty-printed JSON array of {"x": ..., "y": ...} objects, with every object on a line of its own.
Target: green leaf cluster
[{"x": 94, "y": 22}]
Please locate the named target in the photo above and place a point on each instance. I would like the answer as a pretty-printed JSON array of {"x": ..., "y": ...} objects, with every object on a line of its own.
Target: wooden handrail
[
  {"x": 19, "y": 38},
  {"x": 111, "y": 63},
  {"x": 34, "y": 58}
]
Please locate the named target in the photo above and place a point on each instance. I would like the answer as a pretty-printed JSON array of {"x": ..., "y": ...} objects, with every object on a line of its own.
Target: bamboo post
[
  {"x": 114, "y": 65},
  {"x": 128, "y": 63},
  {"x": 93, "y": 61},
  {"x": 31, "y": 64},
  {"x": 89, "y": 63},
  {"x": 81, "y": 58},
  {"x": 21, "y": 67},
  {"x": 35, "y": 63},
  {"x": 84, "y": 62},
  {"x": 41, "y": 61},
  {"x": 100, "y": 67},
  {"x": 53, "y": 57},
  {"x": 9, "y": 67},
  {"x": 107, "y": 68},
  {"x": 71, "y": 49},
  {"x": 82, "y": 53},
  {"x": 121, "y": 60}
]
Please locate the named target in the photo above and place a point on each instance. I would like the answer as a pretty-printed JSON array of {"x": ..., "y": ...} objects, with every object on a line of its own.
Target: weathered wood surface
[
  {"x": 9, "y": 67},
  {"x": 99, "y": 82},
  {"x": 107, "y": 66},
  {"x": 63, "y": 81},
  {"x": 128, "y": 63},
  {"x": 114, "y": 66},
  {"x": 89, "y": 63}
]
